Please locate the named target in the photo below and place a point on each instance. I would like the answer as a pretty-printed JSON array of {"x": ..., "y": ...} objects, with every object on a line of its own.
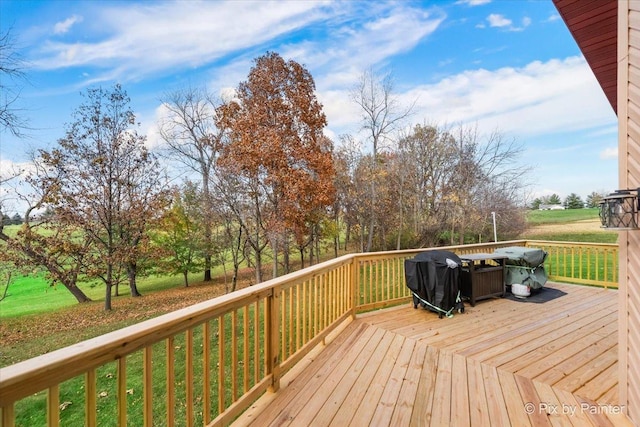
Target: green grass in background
[
  {"x": 34, "y": 295},
  {"x": 585, "y": 237},
  {"x": 537, "y": 217}
]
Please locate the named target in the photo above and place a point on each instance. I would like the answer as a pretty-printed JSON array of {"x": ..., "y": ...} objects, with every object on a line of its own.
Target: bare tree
[
  {"x": 382, "y": 114},
  {"x": 488, "y": 178},
  {"x": 11, "y": 75},
  {"x": 190, "y": 129}
]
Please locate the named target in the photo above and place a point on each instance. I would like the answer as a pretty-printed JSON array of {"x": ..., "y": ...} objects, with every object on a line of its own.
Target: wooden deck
[{"x": 500, "y": 363}]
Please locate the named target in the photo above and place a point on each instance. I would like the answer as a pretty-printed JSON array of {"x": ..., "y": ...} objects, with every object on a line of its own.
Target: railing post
[{"x": 273, "y": 338}]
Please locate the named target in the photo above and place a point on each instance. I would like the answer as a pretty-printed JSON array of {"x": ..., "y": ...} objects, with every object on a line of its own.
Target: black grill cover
[{"x": 434, "y": 278}]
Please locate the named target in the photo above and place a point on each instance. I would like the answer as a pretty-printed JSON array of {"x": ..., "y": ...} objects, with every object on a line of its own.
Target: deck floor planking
[{"x": 488, "y": 366}]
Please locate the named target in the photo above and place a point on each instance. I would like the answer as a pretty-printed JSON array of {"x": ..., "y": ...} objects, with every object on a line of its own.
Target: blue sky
[{"x": 507, "y": 66}]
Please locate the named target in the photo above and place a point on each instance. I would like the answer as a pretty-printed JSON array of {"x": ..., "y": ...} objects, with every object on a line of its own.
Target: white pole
[{"x": 495, "y": 233}]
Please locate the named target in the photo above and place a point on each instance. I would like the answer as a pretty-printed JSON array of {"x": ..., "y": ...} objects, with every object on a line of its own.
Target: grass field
[
  {"x": 571, "y": 225},
  {"x": 536, "y": 217},
  {"x": 35, "y": 295}
]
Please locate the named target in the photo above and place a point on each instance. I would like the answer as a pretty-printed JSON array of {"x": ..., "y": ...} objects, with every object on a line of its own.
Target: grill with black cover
[{"x": 434, "y": 280}]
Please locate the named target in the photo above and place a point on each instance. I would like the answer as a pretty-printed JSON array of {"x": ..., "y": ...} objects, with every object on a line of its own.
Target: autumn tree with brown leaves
[
  {"x": 43, "y": 243},
  {"x": 278, "y": 153},
  {"x": 102, "y": 181}
]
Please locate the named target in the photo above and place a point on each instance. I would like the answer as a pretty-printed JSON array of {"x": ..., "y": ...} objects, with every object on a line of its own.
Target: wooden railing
[
  {"x": 581, "y": 263},
  {"x": 205, "y": 364}
]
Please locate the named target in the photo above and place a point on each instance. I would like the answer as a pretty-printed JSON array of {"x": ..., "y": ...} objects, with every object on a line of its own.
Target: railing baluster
[
  {"x": 90, "y": 404},
  {"x": 298, "y": 317},
  {"x": 8, "y": 415},
  {"x": 147, "y": 388},
  {"x": 283, "y": 324},
  {"x": 369, "y": 298},
  {"x": 170, "y": 375},
  {"x": 206, "y": 372},
  {"x": 292, "y": 332},
  {"x": 272, "y": 337},
  {"x": 189, "y": 376},
  {"x": 53, "y": 406},
  {"x": 325, "y": 302},
  {"x": 305, "y": 312},
  {"x": 256, "y": 342},
  {"x": 221, "y": 362},
  {"x": 313, "y": 306},
  {"x": 245, "y": 350},
  {"x": 234, "y": 355},
  {"x": 122, "y": 390}
]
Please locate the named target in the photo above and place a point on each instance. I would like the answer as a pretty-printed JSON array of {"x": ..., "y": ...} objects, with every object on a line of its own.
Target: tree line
[
  {"x": 259, "y": 183},
  {"x": 572, "y": 201}
]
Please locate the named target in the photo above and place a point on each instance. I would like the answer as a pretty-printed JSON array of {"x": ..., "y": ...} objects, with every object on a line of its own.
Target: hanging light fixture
[{"x": 619, "y": 210}]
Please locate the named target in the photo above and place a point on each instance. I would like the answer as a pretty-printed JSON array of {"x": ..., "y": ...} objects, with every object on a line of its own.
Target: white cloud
[
  {"x": 338, "y": 62},
  {"x": 498, "y": 20},
  {"x": 553, "y": 17},
  {"x": 526, "y": 103},
  {"x": 609, "y": 153},
  {"x": 354, "y": 49},
  {"x": 473, "y": 2},
  {"x": 531, "y": 100},
  {"x": 64, "y": 26},
  {"x": 174, "y": 36},
  {"x": 177, "y": 34}
]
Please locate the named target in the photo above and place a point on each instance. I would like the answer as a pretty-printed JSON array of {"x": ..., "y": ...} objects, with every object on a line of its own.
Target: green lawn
[
  {"x": 567, "y": 216},
  {"x": 33, "y": 294},
  {"x": 536, "y": 217}
]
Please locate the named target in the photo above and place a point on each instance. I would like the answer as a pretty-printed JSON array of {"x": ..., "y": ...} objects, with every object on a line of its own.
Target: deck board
[{"x": 406, "y": 367}]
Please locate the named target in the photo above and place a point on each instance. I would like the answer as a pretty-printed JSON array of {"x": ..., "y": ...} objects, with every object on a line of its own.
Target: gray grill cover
[{"x": 524, "y": 266}]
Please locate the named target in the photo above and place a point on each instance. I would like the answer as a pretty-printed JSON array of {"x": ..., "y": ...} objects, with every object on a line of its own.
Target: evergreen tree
[{"x": 573, "y": 201}]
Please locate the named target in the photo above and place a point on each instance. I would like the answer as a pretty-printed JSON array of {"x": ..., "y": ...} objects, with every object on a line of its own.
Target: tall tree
[
  {"x": 190, "y": 129},
  {"x": 430, "y": 155},
  {"x": 104, "y": 181},
  {"x": 346, "y": 204},
  {"x": 278, "y": 151},
  {"x": 487, "y": 171},
  {"x": 382, "y": 115}
]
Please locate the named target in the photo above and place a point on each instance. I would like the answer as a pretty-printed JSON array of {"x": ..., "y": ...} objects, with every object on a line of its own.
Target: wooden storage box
[{"x": 482, "y": 276}]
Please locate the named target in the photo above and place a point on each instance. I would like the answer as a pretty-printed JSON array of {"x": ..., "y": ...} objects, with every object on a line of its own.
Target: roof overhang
[{"x": 594, "y": 26}]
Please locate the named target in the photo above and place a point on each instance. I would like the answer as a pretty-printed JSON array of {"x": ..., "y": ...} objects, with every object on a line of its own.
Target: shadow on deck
[{"x": 502, "y": 362}]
